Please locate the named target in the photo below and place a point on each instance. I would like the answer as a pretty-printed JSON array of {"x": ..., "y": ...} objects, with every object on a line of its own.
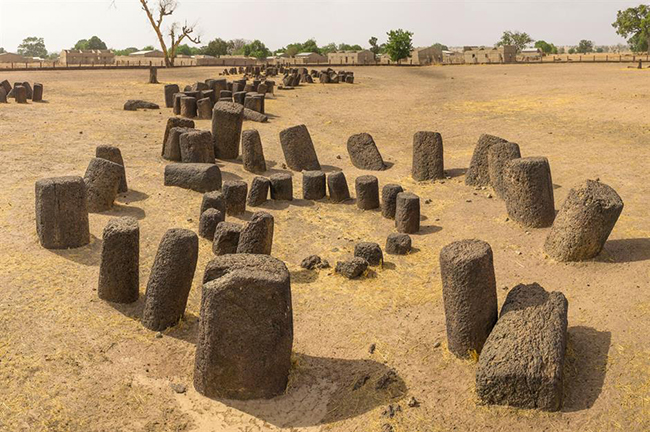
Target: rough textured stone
[
  {"x": 314, "y": 261},
  {"x": 170, "y": 90},
  {"x": 257, "y": 235},
  {"x": 215, "y": 200},
  {"x": 208, "y": 222},
  {"x": 428, "y": 156},
  {"x": 245, "y": 336},
  {"x": 196, "y": 147},
  {"x": 254, "y": 102},
  {"x": 20, "y": 94},
  {"x": 389, "y": 200},
  {"x": 3, "y": 95},
  {"x": 172, "y": 148},
  {"x": 313, "y": 185},
  {"x": 364, "y": 153},
  {"x": 251, "y": 115},
  {"x": 199, "y": 177},
  {"x": 226, "y": 238},
  {"x": 133, "y": 105},
  {"x": 170, "y": 279},
  {"x": 28, "y": 89},
  {"x": 371, "y": 252},
  {"x": 37, "y": 95},
  {"x": 227, "y": 119},
  {"x": 102, "y": 180},
  {"x": 62, "y": 212},
  {"x": 338, "y": 187},
  {"x": 6, "y": 85},
  {"x": 252, "y": 151},
  {"x": 478, "y": 172},
  {"x": 177, "y": 103},
  {"x": 398, "y": 244},
  {"x": 235, "y": 191},
  {"x": 188, "y": 107},
  {"x": 281, "y": 186},
  {"x": 119, "y": 271},
  {"x": 352, "y": 268},
  {"x": 522, "y": 361},
  {"x": 499, "y": 154},
  {"x": 584, "y": 222},
  {"x": 114, "y": 155},
  {"x": 298, "y": 149},
  {"x": 469, "y": 295},
  {"x": 367, "y": 188},
  {"x": 259, "y": 191},
  {"x": 529, "y": 192},
  {"x": 204, "y": 108}
]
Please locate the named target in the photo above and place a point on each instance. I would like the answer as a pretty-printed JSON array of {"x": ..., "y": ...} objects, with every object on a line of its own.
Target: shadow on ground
[
  {"x": 89, "y": 255},
  {"x": 625, "y": 250}
]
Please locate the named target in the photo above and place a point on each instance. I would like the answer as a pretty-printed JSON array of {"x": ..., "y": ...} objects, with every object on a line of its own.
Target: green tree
[
  {"x": 215, "y": 48},
  {"x": 546, "y": 47},
  {"x": 94, "y": 43},
  {"x": 125, "y": 52},
  {"x": 310, "y": 46},
  {"x": 516, "y": 38},
  {"x": 399, "y": 45},
  {"x": 373, "y": 45},
  {"x": 256, "y": 49},
  {"x": 634, "y": 25},
  {"x": 585, "y": 46},
  {"x": 82, "y": 44},
  {"x": 32, "y": 47},
  {"x": 2, "y": 50},
  {"x": 440, "y": 46},
  {"x": 330, "y": 47},
  {"x": 572, "y": 50},
  {"x": 187, "y": 50},
  {"x": 347, "y": 47},
  {"x": 148, "y": 48}
]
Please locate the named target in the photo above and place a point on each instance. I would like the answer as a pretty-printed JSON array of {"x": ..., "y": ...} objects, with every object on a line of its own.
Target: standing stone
[
  {"x": 3, "y": 95},
  {"x": 172, "y": 148},
  {"x": 371, "y": 252},
  {"x": 6, "y": 86},
  {"x": 196, "y": 147},
  {"x": 478, "y": 172},
  {"x": 170, "y": 280},
  {"x": 218, "y": 85},
  {"x": 255, "y": 102},
  {"x": 239, "y": 97},
  {"x": 225, "y": 94},
  {"x": 62, "y": 213},
  {"x": 262, "y": 88},
  {"x": 367, "y": 188},
  {"x": 243, "y": 349},
  {"x": 407, "y": 213},
  {"x": 208, "y": 222},
  {"x": 114, "y": 155},
  {"x": 252, "y": 152},
  {"x": 338, "y": 187},
  {"x": 235, "y": 191},
  {"x": 584, "y": 222},
  {"x": 428, "y": 156},
  {"x": 398, "y": 244},
  {"x": 469, "y": 294},
  {"x": 313, "y": 185},
  {"x": 226, "y": 238},
  {"x": 102, "y": 180},
  {"x": 257, "y": 235},
  {"x": 227, "y": 119},
  {"x": 188, "y": 107},
  {"x": 20, "y": 94},
  {"x": 211, "y": 97},
  {"x": 153, "y": 75},
  {"x": 119, "y": 271},
  {"x": 389, "y": 200},
  {"x": 37, "y": 95},
  {"x": 170, "y": 90},
  {"x": 177, "y": 103},
  {"x": 499, "y": 154},
  {"x": 281, "y": 186},
  {"x": 173, "y": 122},
  {"x": 529, "y": 192},
  {"x": 298, "y": 149},
  {"x": 199, "y": 177},
  {"x": 215, "y": 200},
  {"x": 364, "y": 153},
  {"x": 522, "y": 361},
  {"x": 204, "y": 108},
  {"x": 28, "y": 88},
  {"x": 259, "y": 191}
]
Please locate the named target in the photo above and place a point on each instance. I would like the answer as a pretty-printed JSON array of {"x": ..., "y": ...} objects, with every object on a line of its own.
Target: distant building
[
  {"x": 13, "y": 58},
  {"x": 351, "y": 57},
  {"x": 424, "y": 56},
  {"x": 452, "y": 57},
  {"x": 483, "y": 55},
  {"x": 309, "y": 58},
  {"x": 529, "y": 54},
  {"x": 98, "y": 57},
  {"x": 148, "y": 53}
]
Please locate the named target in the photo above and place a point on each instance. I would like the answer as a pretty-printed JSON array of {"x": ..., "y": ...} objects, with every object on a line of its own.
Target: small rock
[
  {"x": 324, "y": 264},
  {"x": 413, "y": 403},
  {"x": 372, "y": 348},
  {"x": 352, "y": 268},
  {"x": 311, "y": 262},
  {"x": 387, "y": 427},
  {"x": 436, "y": 345},
  {"x": 427, "y": 201},
  {"x": 386, "y": 380},
  {"x": 284, "y": 166},
  {"x": 469, "y": 200},
  {"x": 338, "y": 156},
  {"x": 159, "y": 335},
  {"x": 178, "y": 388},
  {"x": 505, "y": 287},
  {"x": 518, "y": 252},
  {"x": 489, "y": 195},
  {"x": 391, "y": 410},
  {"x": 360, "y": 382}
]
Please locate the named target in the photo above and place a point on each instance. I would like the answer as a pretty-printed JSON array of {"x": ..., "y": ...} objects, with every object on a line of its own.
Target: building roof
[
  {"x": 305, "y": 54},
  {"x": 75, "y": 51},
  {"x": 146, "y": 52}
]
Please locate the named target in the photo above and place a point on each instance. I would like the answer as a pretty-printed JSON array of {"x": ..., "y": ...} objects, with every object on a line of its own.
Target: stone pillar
[
  {"x": 37, "y": 95},
  {"x": 407, "y": 213},
  {"x": 298, "y": 149},
  {"x": 338, "y": 187},
  {"x": 215, "y": 200},
  {"x": 113, "y": 154},
  {"x": 196, "y": 147},
  {"x": 188, "y": 107},
  {"x": 529, "y": 192},
  {"x": 259, "y": 191},
  {"x": 389, "y": 200},
  {"x": 204, "y": 108},
  {"x": 102, "y": 180},
  {"x": 20, "y": 94},
  {"x": 227, "y": 119},
  {"x": 226, "y": 238},
  {"x": 119, "y": 271},
  {"x": 257, "y": 235},
  {"x": 313, "y": 185},
  {"x": 499, "y": 154},
  {"x": 208, "y": 223},
  {"x": 170, "y": 90},
  {"x": 281, "y": 186},
  {"x": 428, "y": 156},
  {"x": 478, "y": 172},
  {"x": 235, "y": 191},
  {"x": 252, "y": 152},
  {"x": 367, "y": 188}
]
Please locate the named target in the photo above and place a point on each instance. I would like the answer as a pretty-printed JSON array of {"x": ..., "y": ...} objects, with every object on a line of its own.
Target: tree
[
  {"x": 215, "y": 48},
  {"x": 94, "y": 43},
  {"x": 147, "y": 48},
  {"x": 310, "y": 46},
  {"x": 176, "y": 32},
  {"x": 399, "y": 45},
  {"x": 2, "y": 50},
  {"x": 32, "y": 47},
  {"x": 572, "y": 50},
  {"x": 236, "y": 46},
  {"x": 546, "y": 47},
  {"x": 330, "y": 47},
  {"x": 256, "y": 49},
  {"x": 440, "y": 46},
  {"x": 373, "y": 45},
  {"x": 634, "y": 24},
  {"x": 516, "y": 38},
  {"x": 126, "y": 51},
  {"x": 585, "y": 46},
  {"x": 347, "y": 47}
]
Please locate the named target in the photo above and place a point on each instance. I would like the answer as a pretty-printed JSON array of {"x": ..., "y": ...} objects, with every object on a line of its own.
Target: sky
[{"x": 278, "y": 23}]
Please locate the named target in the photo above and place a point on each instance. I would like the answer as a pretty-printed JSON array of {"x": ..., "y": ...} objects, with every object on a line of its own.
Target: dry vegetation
[{"x": 69, "y": 362}]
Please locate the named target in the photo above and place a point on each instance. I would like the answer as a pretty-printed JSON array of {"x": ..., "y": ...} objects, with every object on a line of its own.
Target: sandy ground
[{"x": 70, "y": 362}]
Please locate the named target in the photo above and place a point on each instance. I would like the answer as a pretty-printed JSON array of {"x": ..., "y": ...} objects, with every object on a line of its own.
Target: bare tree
[{"x": 176, "y": 32}]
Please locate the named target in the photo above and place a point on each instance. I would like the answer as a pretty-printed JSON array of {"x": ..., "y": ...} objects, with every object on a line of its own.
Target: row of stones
[{"x": 21, "y": 92}]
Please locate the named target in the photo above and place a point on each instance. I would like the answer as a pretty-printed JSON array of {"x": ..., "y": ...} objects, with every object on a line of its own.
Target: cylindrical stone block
[
  {"x": 225, "y": 94},
  {"x": 499, "y": 154},
  {"x": 529, "y": 192},
  {"x": 239, "y": 97},
  {"x": 281, "y": 186},
  {"x": 478, "y": 173},
  {"x": 209, "y": 221},
  {"x": 102, "y": 180},
  {"x": 245, "y": 336},
  {"x": 170, "y": 279},
  {"x": 215, "y": 200},
  {"x": 389, "y": 200},
  {"x": 37, "y": 95},
  {"x": 367, "y": 188},
  {"x": 119, "y": 271},
  {"x": 313, "y": 185},
  {"x": 298, "y": 149},
  {"x": 428, "y": 156},
  {"x": 398, "y": 244},
  {"x": 62, "y": 212},
  {"x": 227, "y": 119},
  {"x": 226, "y": 238},
  {"x": 196, "y": 147},
  {"x": 170, "y": 90},
  {"x": 259, "y": 191},
  {"x": 172, "y": 149},
  {"x": 407, "y": 213},
  {"x": 114, "y": 155},
  {"x": 252, "y": 152},
  {"x": 257, "y": 235},
  {"x": 338, "y": 187},
  {"x": 204, "y": 108},
  {"x": 584, "y": 222},
  {"x": 188, "y": 107},
  {"x": 469, "y": 295},
  {"x": 20, "y": 94},
  {"x": 177, "y": 103},
  {"x": 235, "y": 191},
  {"x": 3, "y": 95}
]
